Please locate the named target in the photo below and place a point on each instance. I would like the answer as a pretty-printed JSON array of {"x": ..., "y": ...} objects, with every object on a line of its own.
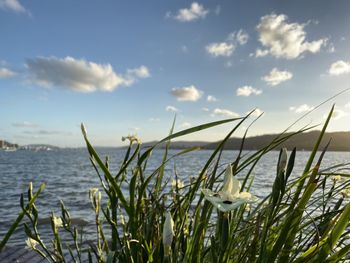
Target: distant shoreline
[{"x": 340, "y": 142}]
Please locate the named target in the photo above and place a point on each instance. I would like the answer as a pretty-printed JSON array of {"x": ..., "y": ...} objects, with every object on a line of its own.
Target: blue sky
[{"x": 126, "y": 67}]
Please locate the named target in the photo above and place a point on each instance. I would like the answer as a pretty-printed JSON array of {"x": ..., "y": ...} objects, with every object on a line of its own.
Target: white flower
[
  {"x": 179, "y": 183},
  {"x": 93, "y": 191},
  {"x": 346, "y": 192},
  {"x": 131, "y": 138},
  {"x": 229, "y": 197},
  {"x": 57, "y": 221},
  {"x": 336, "y": 178},
  {"x": 168, "y": 230},
  {"x": 31, "y": 243}
]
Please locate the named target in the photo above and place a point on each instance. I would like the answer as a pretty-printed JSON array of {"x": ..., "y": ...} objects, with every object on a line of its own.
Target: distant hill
[{"x": 304, "y": 141}]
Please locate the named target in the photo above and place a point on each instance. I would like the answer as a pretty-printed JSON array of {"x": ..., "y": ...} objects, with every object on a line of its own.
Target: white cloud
[
  {"x": 184, "y": 49},
  {"x": 339, "y": 67},
  {"x": 220, "y": 49},
  {"x": 276, "y": 77},
  {"x": 226, "y": 48},
  {"x": 141, "y": 72},
  {"x": 24, "y": 124},
  {"x": 347, "y": 105},
  {"x": 171, "y": 109},
  {"x": 13, "y": 5},
  {"x": 285, "y": 40},
  {"x": 190, "y": 93},
  {"x": 195, "y": 12},
  {"x": 185, "y": 125},
  {"x": 256, "y": 113},
  {"x": 224, "y": 113},
  {"x": 205, "y": 109},
  {"x": 261, "y": 53},
  {"x": 154, "y": 119},
  {"x": 301, "y": 109},
  {"x": 240, "y": 37},
  {"x": 217, "y": 10},
  {"x": 211, "y": 98},
  {"x": 80, "y": 75},
  {"x": 6, "y": 73},
  {"x": 247, "y": 91},
  {"x": 338, "y": 114},
  {"x": 48, "y": 132}
]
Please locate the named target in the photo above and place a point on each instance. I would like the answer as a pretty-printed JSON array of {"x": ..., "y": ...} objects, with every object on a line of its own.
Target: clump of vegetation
[{"x": 210, "y": 219}]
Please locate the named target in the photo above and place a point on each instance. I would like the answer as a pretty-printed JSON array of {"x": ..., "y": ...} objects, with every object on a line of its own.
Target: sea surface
[{"x": 68, "y": 175}]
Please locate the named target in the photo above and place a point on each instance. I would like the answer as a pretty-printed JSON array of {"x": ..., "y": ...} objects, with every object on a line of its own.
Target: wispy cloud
[
  {"x": 211, "y": 98},
  {"x": 224, "y": 113},
  {"x": 283, "y": 39},
  {"x": 154, "y": 119},
  {"x": 48, "y": 132},
  {"x": 80, "y": 75},
  {"x": 171, "y": 109},
  {"x": 185, "y": 125},
  {"x": 190, "y": 93},
  {"x": 14, "y": 6},
  {"x": 227, "y": 47},
  {"x": 301, "y": 109},
  {"x": 276, "y": 77},
  {"x": 256, "y": 113},
  {"x": 339, "y": 67},
  {"x": 241, "y": 37},
  {"x": 247, "y": 91},
  {"x": 24, "y": 124},
  {"x": 6, "y": 73},
  {"x": 194, "y": 12}
]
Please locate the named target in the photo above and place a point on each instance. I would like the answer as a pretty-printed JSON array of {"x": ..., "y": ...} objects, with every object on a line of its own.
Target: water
[{"x": 68, "y": 175}]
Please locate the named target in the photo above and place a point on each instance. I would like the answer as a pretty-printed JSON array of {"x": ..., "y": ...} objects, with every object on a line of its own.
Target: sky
[{"x": 128, "y": 67}]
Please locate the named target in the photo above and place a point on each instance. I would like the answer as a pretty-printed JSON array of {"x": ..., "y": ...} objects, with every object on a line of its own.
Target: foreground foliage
[{"x": 304, "y": 219}]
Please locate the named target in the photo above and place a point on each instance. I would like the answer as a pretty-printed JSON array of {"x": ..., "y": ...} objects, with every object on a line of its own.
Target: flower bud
[
  {"x": 83, "y": 129},
  {"x": 282, "y": 164},
  {"x": 168, "y": 230}
]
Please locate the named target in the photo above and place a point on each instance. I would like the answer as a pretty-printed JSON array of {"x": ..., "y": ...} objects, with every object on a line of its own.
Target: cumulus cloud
[
  {"x": 301, "y": 109},
  {"x": 190, "y": 93},
  {"x": 211, "y": 98},
  {"x": 339, "y": 67},
  {"x": 220, "y": 49},
  {"x": 205, "y": 109},
  {"x": 276, "y": 77},
  {"x": 337, "y": 114},
  {"x": 171, "y": 109},
  {"x": 247, "y": 91},
  {"x": 283, "y": 39},
  {"x": 194, "y": 12},
  {"x": 24, "y": 124},
  {"x": 5, "y": 73},
  {"x": 224, "y": 113},
  {"x": 80, "y": 75},
  {"x": 13, "y": 5},
  {"x": 227, "y": 47}
]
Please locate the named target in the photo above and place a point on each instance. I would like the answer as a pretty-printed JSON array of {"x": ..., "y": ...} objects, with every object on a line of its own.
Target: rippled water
[{"x": 68, "y": 175}]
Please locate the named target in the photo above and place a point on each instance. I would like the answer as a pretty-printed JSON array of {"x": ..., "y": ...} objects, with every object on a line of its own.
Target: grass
[{"x": 304, "y": 219}]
